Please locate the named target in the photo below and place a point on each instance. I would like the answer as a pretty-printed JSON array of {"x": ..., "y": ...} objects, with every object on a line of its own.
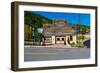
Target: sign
[{"x": 40, "y": 30}]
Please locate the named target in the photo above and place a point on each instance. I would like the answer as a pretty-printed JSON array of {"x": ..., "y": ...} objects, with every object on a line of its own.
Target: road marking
[{"x": 40, "y": 53}]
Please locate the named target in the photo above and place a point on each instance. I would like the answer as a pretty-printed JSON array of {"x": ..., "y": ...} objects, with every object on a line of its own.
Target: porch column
[
  {"x": 66, "y": 39},
  {"x": 53, "y": 39},
  {"x": 74, "y": 38}
]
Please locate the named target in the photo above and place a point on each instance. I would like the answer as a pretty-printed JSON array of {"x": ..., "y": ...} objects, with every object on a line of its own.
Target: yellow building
[{"x": 27, "y": 32}]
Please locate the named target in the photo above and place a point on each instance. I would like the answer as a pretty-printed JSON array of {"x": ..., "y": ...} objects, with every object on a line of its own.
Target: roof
[{"x": 58, "y": 30}]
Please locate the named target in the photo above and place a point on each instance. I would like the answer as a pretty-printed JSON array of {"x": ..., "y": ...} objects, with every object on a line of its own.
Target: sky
[{"x": 73, "y": 18}]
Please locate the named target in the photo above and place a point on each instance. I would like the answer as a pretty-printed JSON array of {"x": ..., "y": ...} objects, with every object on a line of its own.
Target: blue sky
[{"x": 74, "y": 18}]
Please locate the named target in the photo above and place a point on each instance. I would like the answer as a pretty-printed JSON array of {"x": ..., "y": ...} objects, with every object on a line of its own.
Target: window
[
  {"x": 58, "y": 39},
  {"x": 47, "y": 39},
  {"x": 62, "y": 39}
]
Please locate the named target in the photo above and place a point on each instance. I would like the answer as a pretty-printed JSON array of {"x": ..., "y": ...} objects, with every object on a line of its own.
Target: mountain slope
[{"x": 33, "y": 18}]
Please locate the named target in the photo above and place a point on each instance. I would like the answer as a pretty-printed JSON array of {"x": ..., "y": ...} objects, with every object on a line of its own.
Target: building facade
[
  {"x": 27, "y": 32},
  {"x": 59, "y": 32}
]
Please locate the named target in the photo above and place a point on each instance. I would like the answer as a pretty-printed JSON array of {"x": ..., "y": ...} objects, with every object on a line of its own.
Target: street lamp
[{"x": 33, "y": 35}]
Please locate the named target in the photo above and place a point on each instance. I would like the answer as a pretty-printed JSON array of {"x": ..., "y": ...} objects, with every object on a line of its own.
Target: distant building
[{"x": 59, "y": 32}]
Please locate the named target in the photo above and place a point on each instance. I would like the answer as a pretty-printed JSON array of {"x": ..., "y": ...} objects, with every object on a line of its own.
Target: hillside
[{"x": 35, "y": 19}]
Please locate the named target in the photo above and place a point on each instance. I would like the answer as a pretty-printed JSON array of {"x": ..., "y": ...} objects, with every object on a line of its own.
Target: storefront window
[
  {"x": 58, "y": 39},
  {"x": 62, "y": 39}
]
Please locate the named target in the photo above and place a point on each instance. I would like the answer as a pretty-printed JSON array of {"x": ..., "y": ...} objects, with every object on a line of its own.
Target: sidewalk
[{"x": 51, "y": 46}]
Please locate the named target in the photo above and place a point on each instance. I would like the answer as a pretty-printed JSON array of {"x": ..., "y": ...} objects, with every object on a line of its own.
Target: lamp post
[
  {"x": 33, "y": 35},
  {"x": 78, "y": 28}
]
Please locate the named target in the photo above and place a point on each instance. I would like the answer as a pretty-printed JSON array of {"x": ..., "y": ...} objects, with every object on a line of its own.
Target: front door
[{"x": 60, "y": 40}]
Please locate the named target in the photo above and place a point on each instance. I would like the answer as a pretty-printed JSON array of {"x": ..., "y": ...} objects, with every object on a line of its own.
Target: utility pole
[{"x": 78, "y": 27}]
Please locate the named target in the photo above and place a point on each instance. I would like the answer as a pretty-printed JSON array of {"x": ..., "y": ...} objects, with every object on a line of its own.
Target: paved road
[{"x": 43, "y": 54}]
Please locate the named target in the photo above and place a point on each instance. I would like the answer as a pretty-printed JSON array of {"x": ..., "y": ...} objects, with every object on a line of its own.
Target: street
[{"x": 47, "y": 53}]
